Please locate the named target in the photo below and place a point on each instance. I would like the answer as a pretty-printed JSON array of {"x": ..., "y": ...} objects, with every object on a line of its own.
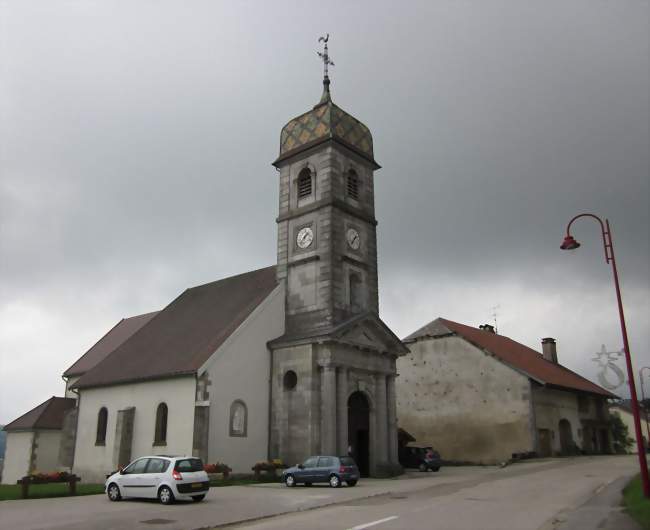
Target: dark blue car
[{"x": 333, "y": 470}]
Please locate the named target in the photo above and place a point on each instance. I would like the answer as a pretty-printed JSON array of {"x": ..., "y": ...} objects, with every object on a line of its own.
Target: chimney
[
  {"x": 549, "y": 350},
  {"x": 487, "y": 327}
]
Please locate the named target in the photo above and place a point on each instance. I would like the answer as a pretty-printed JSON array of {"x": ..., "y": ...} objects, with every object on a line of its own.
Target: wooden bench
[{"x": 27, "y": 481}]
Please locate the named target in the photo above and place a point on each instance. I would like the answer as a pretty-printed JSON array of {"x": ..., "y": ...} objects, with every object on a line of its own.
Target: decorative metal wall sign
[{"x": 610, "y": 375}]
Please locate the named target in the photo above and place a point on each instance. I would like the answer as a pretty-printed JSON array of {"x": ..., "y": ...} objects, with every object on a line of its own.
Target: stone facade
[{"x": 333, "y": 372}]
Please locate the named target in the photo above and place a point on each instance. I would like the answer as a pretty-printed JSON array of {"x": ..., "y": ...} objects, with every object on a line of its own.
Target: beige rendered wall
[
  {"x": 46, "y": 450},
  {"x": 463, "y": 402},
  {"x": 240, "y": 370},
  {"x": 93, "y": 462},
  {"x": 551, "y": 406},
  {"x": 17, "y": 456}
]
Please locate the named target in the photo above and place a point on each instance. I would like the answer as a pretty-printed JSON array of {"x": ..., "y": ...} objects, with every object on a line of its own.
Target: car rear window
[
  {"x": 347, "y": 461},
  {"x": 189, "y": 465}
]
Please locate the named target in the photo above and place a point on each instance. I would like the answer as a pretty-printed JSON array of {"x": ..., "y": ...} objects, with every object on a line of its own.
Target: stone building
[
  {"x": 282, "y": 362},
  {"x": 478, "y": 396}
]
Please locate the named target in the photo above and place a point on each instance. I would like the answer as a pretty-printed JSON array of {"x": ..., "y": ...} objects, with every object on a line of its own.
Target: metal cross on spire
[{"x": 324, "y": 55}]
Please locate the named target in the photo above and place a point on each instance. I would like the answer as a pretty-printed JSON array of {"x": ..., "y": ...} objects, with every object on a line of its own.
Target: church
[{"x": 278, "y": 363}]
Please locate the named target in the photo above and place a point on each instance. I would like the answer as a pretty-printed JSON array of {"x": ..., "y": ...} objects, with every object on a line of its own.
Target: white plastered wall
[
  {"x": 17, "y": 455},
  {"x": 47, "y": 444},
  {"x": 463, "y": 402},
  {"x": 240, "y": 370},
  {"x": 93, "y": 462}
]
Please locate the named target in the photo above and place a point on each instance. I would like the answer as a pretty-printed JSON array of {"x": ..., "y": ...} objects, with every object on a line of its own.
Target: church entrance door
[{"x": 359, "y": 431}]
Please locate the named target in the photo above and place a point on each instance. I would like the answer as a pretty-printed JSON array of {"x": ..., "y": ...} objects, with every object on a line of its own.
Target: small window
[
  {"x": 304, "y": 184},
  {"x": 160, "y": 437},
  {"x": 290, "y": 380},
  {"x": 311, "y": 462},
  {"x": 157, "y": 465},
  {"x": 238, "y": 418},
  {"x": 355, "y": 292},
  {"x": 189, "y": 464},
  {"x": 102, "y": 422},
  {"x": 583, "y": 403},
  {"x": 137, "y": 467},
  {"x": 353, "y": 185},
  {"x": 325, "y": 461}
]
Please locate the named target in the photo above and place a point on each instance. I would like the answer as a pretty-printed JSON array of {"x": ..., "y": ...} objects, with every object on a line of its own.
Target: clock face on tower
[
  {"x": 353, "y": 239},
  {"x": 305, "y": 237}
]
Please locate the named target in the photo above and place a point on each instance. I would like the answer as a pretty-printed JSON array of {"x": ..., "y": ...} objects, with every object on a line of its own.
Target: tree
[{"x": 620, "y": 435}]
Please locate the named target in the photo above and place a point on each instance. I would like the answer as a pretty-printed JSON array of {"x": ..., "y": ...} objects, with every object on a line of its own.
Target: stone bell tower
[{"x": 333, "y": 385}]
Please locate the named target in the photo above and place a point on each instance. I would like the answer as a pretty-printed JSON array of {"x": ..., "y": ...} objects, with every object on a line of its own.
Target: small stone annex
[{"x": 482, "y": 397}]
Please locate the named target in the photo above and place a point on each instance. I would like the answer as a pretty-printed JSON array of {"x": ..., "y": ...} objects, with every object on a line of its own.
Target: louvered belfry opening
[
  {"x": 353, "y": 185},
  {"x": 304, "y": 184}
]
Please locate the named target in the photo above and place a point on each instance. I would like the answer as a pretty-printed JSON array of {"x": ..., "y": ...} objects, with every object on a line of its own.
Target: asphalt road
[{"x": 523, "y": 496}]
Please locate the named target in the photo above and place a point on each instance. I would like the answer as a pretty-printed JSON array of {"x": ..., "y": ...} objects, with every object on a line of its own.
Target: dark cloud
[{"x": 136, "y": 141}]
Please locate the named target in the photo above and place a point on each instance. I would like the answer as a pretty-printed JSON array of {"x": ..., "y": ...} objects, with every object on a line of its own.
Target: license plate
[{"x": 196, "y": 485}]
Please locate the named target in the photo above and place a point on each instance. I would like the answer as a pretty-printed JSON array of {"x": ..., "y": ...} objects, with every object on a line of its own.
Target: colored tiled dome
[{"x": 325, "y": 121}]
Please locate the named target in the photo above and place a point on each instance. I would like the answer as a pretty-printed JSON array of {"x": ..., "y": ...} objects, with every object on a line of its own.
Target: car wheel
[
  {"x": 198, "y": 498},
  {"x": 352, "y": 483},
  {"x": 422, "y": 467},
  {"x": 335, "y": 481},
  {"x": 113, "y": 492},
  {"x": 290, "y": 481},
  {"x": 165, "y": 495},
  {"x": 435, "y": 469}
]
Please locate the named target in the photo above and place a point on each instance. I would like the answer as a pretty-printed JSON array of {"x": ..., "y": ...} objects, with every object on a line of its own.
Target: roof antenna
[
  {"x": 494, "y": 317},
  {"x": 324, "y": 55}
]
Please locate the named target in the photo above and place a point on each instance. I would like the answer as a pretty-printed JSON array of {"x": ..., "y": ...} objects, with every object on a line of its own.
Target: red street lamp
[
  {"x": 645, "y": 408},
  {"x": 571, "y": 244}
]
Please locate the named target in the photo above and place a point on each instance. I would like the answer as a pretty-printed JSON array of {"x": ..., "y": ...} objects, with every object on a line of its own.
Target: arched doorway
[
  {"x": 566, "y": 438},
  {"x": 359, "y": 430}
]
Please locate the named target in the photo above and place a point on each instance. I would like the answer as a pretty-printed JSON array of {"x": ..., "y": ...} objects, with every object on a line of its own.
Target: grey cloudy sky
[{"x": 136, "y": 141}]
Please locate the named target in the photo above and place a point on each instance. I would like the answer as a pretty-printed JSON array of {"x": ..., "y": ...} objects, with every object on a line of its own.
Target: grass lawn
[
  {"x": 637, "y": 506},
  {"x": 242, "y": 481},
  {"x": 9, "y": 492}
]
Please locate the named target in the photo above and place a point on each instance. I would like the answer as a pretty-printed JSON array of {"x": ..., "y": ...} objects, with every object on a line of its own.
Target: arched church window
[
  {"x": 290, "y": 380},
  {"x": 304, "y": 183},
  {"x": 160, "y": 436},
  {"x": 238, "y": 418},
  {"x": 102, "y": 422},
  {"x": 353, "y": 185},
  {"x": 356, "y": 294}
]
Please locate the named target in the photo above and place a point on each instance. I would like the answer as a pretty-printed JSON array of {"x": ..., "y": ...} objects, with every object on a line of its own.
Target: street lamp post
[
  {"x": 569, "y": 244},
  {"x": 643, "y": 404}
]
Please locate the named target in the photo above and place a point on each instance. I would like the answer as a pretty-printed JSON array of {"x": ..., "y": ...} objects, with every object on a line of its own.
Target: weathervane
[
  {"x": 324, "y": 55},
  {"x": 606, "y": 360}
]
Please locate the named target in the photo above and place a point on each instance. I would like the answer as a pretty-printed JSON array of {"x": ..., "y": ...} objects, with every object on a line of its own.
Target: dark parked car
[
  {"x": 330, "y": 469},
  {"x": 422, "y": 458}
]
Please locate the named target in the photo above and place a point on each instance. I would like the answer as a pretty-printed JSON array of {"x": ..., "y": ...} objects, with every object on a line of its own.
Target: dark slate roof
[
  {"x": 512, "y": 353},
  {"x": 47, "y": 415},
  {"x": 116, "y": 336},
  {"x": 181, "y": 337}
]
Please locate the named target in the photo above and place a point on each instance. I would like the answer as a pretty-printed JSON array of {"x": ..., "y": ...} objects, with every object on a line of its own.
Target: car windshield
[{"x": 189, "y": 465}]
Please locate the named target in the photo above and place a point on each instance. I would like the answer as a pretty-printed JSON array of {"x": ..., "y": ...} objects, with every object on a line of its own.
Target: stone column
[
  {"x": 328, "y": 407},
  {"x": 381, "y": 418},
  {"x": 392, "y": 419},
  {"x": 342, "y": 411}
]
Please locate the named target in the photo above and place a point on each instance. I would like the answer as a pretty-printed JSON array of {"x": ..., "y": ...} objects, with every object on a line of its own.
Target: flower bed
[
  {"x": 213, "y": 469},
  {"x": 268, "y": 468},
  {"x": 48, "y": 478}
]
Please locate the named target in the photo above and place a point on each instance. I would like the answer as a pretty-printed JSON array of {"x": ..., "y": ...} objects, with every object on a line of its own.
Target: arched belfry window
[
  {"x": 102, "y": 423},
  {"x": 160, "y": 436},
  {"x": 304, "y": 184},
  {"x": 353, "y": 185},
  {"x": 356, "y": 294},
  {"x": 238, "y": 418}
]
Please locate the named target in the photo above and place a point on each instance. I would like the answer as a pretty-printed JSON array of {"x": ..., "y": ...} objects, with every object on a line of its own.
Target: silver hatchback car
[{"x": 167, "y": 478}]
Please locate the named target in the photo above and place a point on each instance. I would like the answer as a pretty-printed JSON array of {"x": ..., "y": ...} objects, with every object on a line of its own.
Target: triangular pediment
[{"x": 368, "y": 331}]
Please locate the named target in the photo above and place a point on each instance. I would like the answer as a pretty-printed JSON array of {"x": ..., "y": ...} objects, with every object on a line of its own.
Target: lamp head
[{"x": 569, "y": 243}]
